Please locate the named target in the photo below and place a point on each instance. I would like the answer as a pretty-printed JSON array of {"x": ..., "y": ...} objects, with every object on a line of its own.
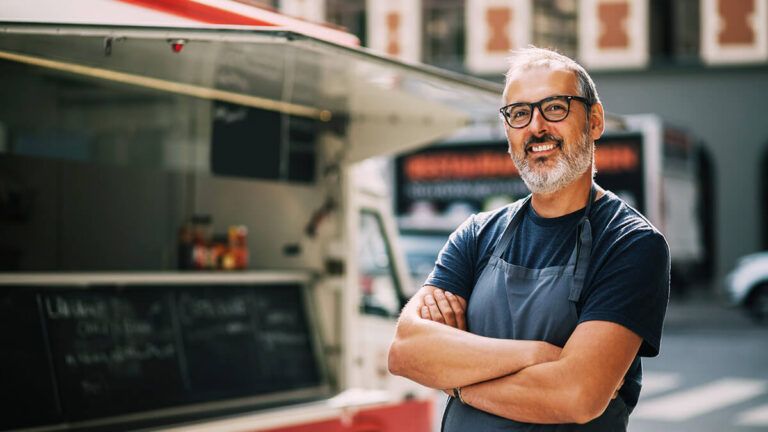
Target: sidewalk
[{"x": 702, "y": 309}]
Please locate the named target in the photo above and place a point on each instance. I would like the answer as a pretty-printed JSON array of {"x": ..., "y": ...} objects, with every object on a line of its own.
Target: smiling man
[{"x": 536, "y": 315}]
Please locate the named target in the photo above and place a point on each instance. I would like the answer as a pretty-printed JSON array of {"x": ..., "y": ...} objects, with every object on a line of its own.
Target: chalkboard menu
[
  {"x": 113, "y": 351},
  {"x": 239, "y": 341},
  {"x": 28, "y": 391},
  {"x": 105, "y": 351}
]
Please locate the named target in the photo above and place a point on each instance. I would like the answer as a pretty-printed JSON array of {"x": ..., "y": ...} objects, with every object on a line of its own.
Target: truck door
[
  {"x": 382, "y": 285},
  {"x": 382, "y": 280}
]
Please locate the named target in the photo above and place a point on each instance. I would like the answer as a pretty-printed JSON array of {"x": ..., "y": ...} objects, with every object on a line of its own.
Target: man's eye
[
  {"x": 555, "y": 108},
  {"x": 519, "y": 114}
]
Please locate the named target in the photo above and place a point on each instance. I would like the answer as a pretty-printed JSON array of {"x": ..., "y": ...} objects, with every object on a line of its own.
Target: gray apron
[{"x": 514, "y": 302}]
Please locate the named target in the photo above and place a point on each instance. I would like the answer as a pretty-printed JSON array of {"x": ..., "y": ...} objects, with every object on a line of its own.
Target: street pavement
[{"x": 711, "y": 375}]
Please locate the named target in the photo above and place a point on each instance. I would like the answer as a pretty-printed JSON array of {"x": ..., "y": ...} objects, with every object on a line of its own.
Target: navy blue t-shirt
[{"x": 627, "y": 280}]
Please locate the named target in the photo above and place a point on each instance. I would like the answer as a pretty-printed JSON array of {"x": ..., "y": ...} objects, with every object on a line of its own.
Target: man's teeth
[{"x": 543, "y": 147}]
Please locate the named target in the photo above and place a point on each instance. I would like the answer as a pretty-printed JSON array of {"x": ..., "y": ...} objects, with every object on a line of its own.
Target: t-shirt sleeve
[
  {"x": 454, "y": 268},
  {"x": 632, "y": 289}
]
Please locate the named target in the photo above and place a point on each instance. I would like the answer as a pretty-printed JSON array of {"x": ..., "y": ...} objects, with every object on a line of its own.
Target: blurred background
[{"x": 124, "y": 163}]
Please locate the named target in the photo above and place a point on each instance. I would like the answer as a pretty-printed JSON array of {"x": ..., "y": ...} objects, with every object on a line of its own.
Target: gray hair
[{"x": 532, "y": 56}]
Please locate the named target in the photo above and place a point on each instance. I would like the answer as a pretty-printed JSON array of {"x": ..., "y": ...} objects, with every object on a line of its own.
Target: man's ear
[{"x": 596, "y": 121}]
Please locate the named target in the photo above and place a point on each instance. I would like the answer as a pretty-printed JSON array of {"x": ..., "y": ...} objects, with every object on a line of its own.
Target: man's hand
[
  {"x": 445, "y": 308},
  {"x": 444, "y": 357},
  {"x": 449, "y": 309}
]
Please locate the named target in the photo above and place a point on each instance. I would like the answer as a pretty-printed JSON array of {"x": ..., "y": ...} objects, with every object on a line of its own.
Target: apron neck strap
[
  {"x": 506, "y": 238},
  {"x": 590, "y": 200},
  {"x": 583, "y": 248}
]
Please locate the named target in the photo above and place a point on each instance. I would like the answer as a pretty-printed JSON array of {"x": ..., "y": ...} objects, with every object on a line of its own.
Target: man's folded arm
[
  {"x": 441, "y": 356},
  {"x": 574, "y": 389}
]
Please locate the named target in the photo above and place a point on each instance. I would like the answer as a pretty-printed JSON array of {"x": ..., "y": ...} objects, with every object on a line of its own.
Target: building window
[
  {"x": 674, "y": 31},
  {"x": 444, "y": 36},
  {"x": 555, "y": 25},
  {"x": 349, "y": 14}
]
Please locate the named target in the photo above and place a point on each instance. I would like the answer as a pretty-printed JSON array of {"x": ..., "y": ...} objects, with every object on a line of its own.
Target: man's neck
[{"x": 567, "y": 200}]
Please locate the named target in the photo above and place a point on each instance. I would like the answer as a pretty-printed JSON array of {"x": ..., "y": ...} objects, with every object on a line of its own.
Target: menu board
[
  {"x": 113, "y": 351},
  {"x": 107, "y": 351},
  {"x": 239, "y": 341},
  {"x": 28, "y": 392}
]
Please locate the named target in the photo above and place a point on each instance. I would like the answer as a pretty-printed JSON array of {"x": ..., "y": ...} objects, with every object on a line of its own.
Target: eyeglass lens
[{"x": 553, "y": 109}]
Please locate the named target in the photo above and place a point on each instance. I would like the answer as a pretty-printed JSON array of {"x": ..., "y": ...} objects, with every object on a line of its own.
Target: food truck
[{"x": 189, "y": 236}]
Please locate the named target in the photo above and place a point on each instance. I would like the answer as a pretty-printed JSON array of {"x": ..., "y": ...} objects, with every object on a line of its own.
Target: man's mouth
[
  {"x": 542, "y": 144},
  {"x": 537, "y": 148}
]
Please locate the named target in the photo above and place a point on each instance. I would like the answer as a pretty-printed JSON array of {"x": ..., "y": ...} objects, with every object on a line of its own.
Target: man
[{"x": 536, "y": 315}]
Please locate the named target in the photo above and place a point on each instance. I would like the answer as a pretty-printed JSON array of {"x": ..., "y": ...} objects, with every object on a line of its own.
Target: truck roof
[{"x": 169, "y": 13}]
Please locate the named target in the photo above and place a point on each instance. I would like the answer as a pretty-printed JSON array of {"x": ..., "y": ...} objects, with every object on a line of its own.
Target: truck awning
[{"x": 384, "y": 106}]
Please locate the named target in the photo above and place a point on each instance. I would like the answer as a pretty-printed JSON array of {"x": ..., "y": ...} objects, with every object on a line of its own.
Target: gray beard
[{"x": 571, "y": 164}]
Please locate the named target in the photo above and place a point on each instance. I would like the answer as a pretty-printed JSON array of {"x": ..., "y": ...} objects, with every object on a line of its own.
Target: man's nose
[{"x": 538, "y": 124}]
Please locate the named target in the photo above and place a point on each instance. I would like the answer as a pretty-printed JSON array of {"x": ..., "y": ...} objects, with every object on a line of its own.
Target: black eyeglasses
[{"x": 553, "y": 108}]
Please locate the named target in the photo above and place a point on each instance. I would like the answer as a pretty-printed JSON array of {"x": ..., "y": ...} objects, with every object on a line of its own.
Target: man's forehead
[{"x": 552, "y": 75}]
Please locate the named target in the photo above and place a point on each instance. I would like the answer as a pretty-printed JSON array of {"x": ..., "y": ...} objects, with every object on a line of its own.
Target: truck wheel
[{"x": 758, "y": 305}]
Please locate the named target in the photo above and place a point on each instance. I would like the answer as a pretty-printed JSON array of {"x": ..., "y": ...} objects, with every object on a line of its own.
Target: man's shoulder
[
  {"x": 617, "y": 215},
  {"x": 619, "y": 222}
]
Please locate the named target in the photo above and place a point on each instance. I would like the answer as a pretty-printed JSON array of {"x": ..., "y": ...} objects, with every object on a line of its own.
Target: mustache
[{"x": 542, "y": 139}]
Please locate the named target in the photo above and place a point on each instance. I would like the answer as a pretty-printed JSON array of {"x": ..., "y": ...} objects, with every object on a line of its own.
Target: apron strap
[
  {"x": 509, "y": 231},
  {"x": 583, "y": 248}
]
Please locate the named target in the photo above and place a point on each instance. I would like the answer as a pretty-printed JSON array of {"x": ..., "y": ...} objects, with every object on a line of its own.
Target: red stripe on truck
[
  {"x": 198, "y": 12},
  {"x": 408, "y": 416}
]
